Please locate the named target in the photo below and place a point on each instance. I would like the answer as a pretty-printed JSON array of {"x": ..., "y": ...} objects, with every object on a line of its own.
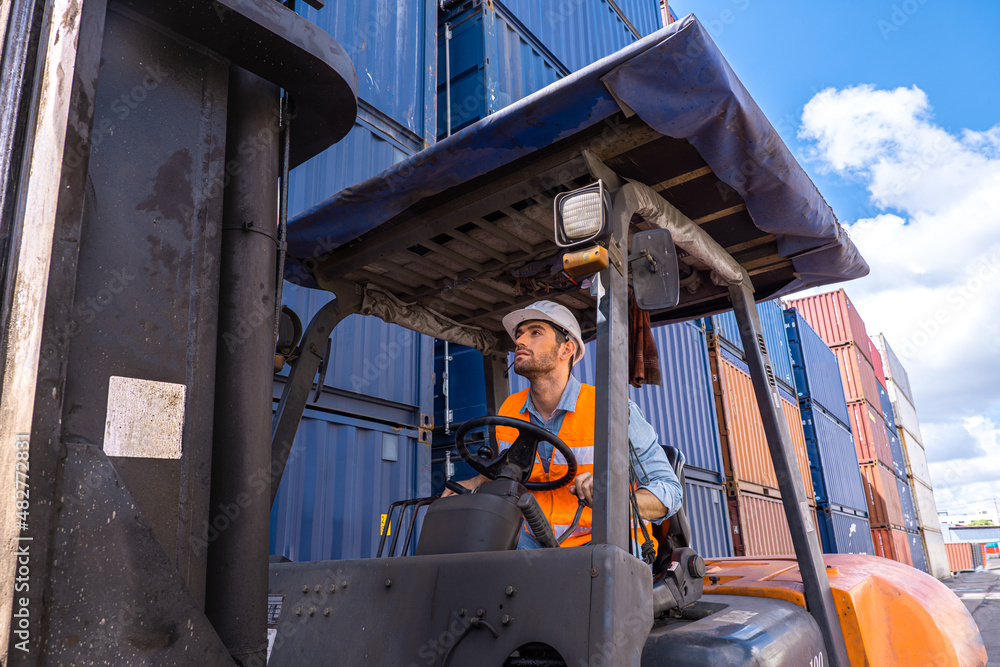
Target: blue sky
[{"x": 893, "y": 108}]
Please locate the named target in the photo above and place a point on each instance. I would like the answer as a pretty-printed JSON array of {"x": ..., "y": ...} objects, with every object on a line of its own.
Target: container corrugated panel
[
  {"x": 959, "y": 556},
  {"x": 857, "y": 375},
  {"x": 645, "y": 15},
  {"x": 898, "y": 457},
  {"x": 337, "y": 483},
  {"x": 363, "y": 153},
  {"x": 763, "y": 526},
  {"x": 882, "y": 543},
  {"x": 772, "y": 321},
  {"x": 917, "y": 552},
  {"x": 884, "y": 507},
  {"x": 834, "y": 461},
  {"x": 870, "y": 437},
  {"x": 817, "y": 372},
  {"x": 707, "y": 514},
  {"x": 937, "y": 557},
  {"x": 877, "y": 364},
  {"x": 392, "y": 47},
  {"x": 916, "y": 458},
  {"x": 370, "y": 357},
  {"x": 834, "y": 318},
  {"x": 578, "y": 33},
  {"x": 494, "y": 63},
  {"x": 886, "y": 403},
  {"x": 750, "y": 458},
  {"x": 745, "y": 439},
  {"x": 906, "y": 502},
  {"x": 905, "y": 414},
  {"x": 793, "y": 418},
  {"x": 845, "y": 533},
  {"x": 894, "y": 369},
  {"x": 682, "y": 409},
  {"x": 926, "y": 506},
  {"x": 901, "y": 546}
]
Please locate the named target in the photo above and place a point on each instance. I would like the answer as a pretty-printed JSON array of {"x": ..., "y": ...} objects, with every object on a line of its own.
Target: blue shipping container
[
  {"x": 773, "y": 323},
  {"x": 682, "y": 409},
  {"x": 341, "y": 476},
  {"x": 917, "y": 552},
  {"x": 466, "y": 384},
  {"x": 886, "y": 404},
  {"x": 817, "y": 373},
  {"x": 392, "y": 46},
  {"x": 833, "y": 460},
  {"x": 579, "y": 32},
  {"x": 708, "y": 516},
  {"x": 844, "y": 533},
  {"x": 898, "y": 458},
  {"x": 494, "y": 62},
  {"x": 906, "y": 500}
]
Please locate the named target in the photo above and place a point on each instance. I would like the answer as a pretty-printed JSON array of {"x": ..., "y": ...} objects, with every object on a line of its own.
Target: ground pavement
[{"x": 980, "y": 591}]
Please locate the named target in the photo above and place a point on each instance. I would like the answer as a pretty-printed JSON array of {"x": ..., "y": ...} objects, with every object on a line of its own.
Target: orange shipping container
[
  {"x": 882, "y": 494},
  {"x": 793, "y": 417},
  {"x": 871, "y": 439},
  {"x": 858, "y": 376},
  {"x": 834, "y": 318},
  {"x": 901, "y": 546},
  {"x": 959, "y": 556},
  {"x": 744, "y": 445}
]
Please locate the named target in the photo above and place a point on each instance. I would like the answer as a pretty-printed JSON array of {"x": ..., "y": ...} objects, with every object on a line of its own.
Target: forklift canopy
[{"x": 451, "y": 239}]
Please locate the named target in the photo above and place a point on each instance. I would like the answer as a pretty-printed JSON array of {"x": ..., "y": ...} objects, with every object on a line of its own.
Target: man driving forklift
[{"x": 548, "y": 343}]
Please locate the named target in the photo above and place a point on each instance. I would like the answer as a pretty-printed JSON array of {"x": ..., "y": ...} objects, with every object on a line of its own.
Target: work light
[{"x": 582, "y": 216}]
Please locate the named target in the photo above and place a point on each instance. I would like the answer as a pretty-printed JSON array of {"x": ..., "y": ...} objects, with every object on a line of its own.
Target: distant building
[
  {"x": 988, "y": 534},
  {"x": 966, "y": 519}
]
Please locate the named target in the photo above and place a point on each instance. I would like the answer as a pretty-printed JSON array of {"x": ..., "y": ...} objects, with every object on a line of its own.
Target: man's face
[{"x": 537, "y": 347}]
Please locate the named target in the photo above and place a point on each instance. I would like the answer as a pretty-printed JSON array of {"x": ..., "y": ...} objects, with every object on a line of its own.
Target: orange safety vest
[{"x": 577, "y": 431}]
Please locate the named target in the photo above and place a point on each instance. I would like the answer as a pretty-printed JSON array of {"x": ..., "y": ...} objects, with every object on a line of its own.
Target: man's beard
[{"x": 536, "y": 363}]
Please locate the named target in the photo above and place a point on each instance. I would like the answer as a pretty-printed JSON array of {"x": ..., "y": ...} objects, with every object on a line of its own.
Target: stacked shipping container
[
  {"x": 757, "y": 517},
  {"x": 835, "y": 319},
  {"x": 840, "y": 495},
  {"x": 906, "y": 429},
  {"x": 364, "y": 440}
]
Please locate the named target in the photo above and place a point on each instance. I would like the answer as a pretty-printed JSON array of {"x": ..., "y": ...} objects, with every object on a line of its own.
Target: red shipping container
[
  {"x": 871, "y": 439},
  {"x": 858, "y": 376},
  {"x": 744, "y": 444},
  {"x": 834, "y": 318},
  {"x": 877, "y": 363},
  {"x": 901, "y": 546},
  {"x": 759, "y": 526},
  {"x": 893, "y": 544},
  {"x": 959, "y": 556},
  {"x": 882, "y": 494}
]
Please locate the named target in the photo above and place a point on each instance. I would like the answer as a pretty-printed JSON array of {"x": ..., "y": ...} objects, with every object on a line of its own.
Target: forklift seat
[{"x": 675, "y": 533}]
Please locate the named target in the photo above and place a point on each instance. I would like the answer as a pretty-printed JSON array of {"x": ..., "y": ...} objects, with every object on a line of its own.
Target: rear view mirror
[{"x": 653, "y": 263}]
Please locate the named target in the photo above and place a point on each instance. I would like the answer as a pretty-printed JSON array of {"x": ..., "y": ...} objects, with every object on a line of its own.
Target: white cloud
[{"x": 934, "y": 252}]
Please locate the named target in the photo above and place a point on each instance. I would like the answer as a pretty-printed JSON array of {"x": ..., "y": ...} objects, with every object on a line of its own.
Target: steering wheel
[{"x": 518, "y": 460}]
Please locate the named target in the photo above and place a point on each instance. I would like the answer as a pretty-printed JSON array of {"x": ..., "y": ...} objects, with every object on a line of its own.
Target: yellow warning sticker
[{"x": 381, "y": 525}]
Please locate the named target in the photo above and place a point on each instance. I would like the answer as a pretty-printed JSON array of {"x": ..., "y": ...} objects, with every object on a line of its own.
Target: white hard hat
[{"x": 551, "y": 312}]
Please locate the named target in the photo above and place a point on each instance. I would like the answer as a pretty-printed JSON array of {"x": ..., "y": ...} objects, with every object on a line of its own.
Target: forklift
[{"x": 142, "y": 272}]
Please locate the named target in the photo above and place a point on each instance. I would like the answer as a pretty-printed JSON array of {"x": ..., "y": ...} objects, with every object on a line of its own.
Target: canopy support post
[{"x": 611, "y": 499}]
